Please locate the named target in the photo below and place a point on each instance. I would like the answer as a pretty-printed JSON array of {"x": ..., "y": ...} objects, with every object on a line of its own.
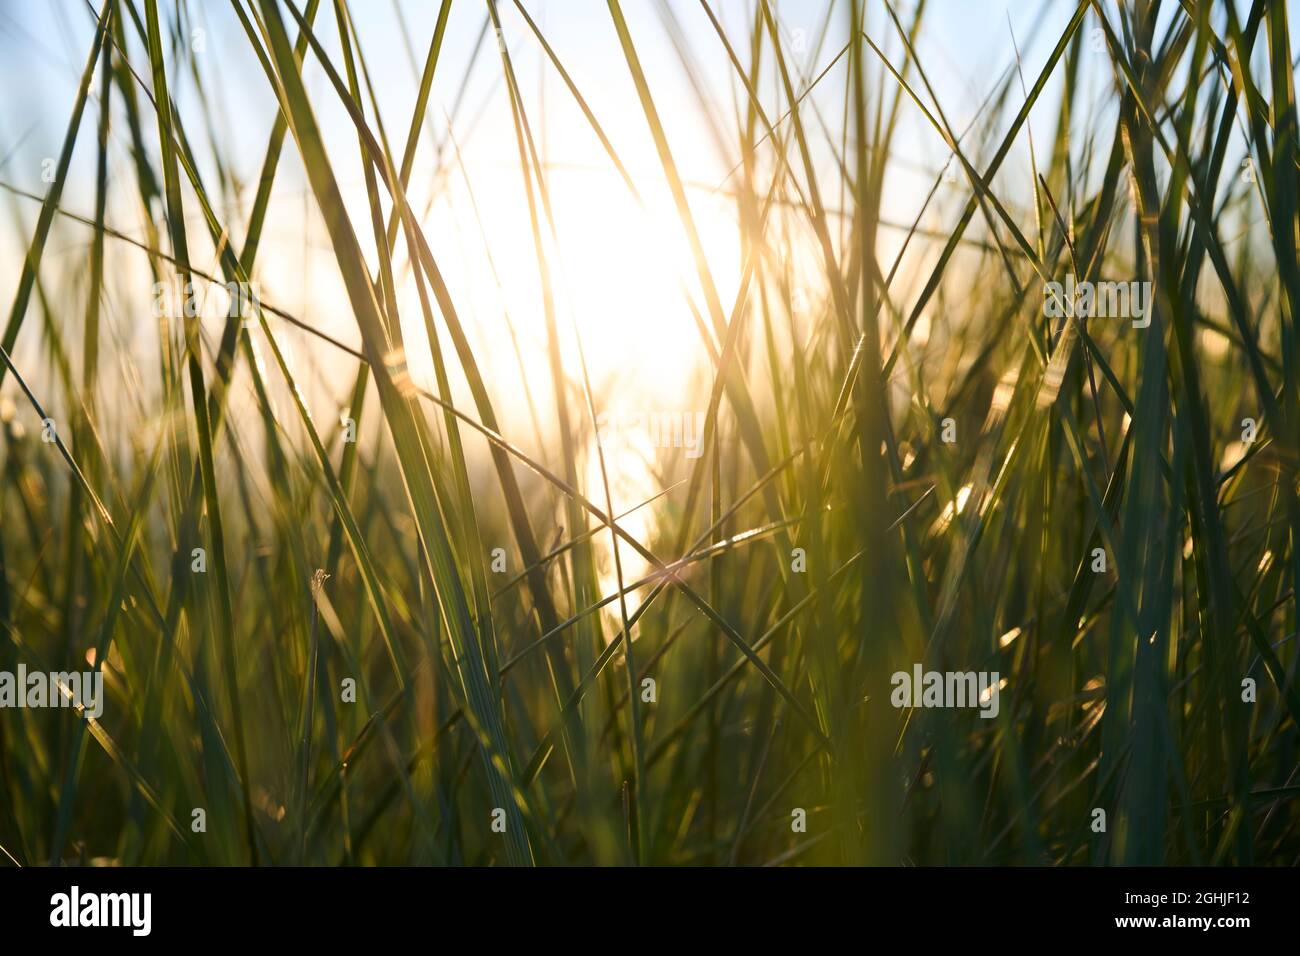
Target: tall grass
[{"x": 907, "y": 456}]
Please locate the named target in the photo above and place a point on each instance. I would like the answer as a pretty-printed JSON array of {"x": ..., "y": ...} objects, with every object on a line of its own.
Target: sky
[{"x": 625, "y": 263}]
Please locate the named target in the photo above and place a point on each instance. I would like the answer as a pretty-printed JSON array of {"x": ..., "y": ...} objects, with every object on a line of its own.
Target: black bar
[{"x": 331, "y": 907}]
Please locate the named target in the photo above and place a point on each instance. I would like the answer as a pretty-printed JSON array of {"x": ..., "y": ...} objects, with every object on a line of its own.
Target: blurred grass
[{"x": 489, "y": 726}]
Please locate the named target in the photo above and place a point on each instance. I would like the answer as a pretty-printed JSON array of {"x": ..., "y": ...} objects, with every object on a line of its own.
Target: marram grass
[{"x": 972, "y": 542}]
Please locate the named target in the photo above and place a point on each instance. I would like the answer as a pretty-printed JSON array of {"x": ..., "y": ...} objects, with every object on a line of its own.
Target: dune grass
[{"x": 908, "y": 457}]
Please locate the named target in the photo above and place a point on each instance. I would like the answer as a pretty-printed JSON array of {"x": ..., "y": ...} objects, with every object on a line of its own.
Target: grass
[{"x": 906, "y": 457}]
